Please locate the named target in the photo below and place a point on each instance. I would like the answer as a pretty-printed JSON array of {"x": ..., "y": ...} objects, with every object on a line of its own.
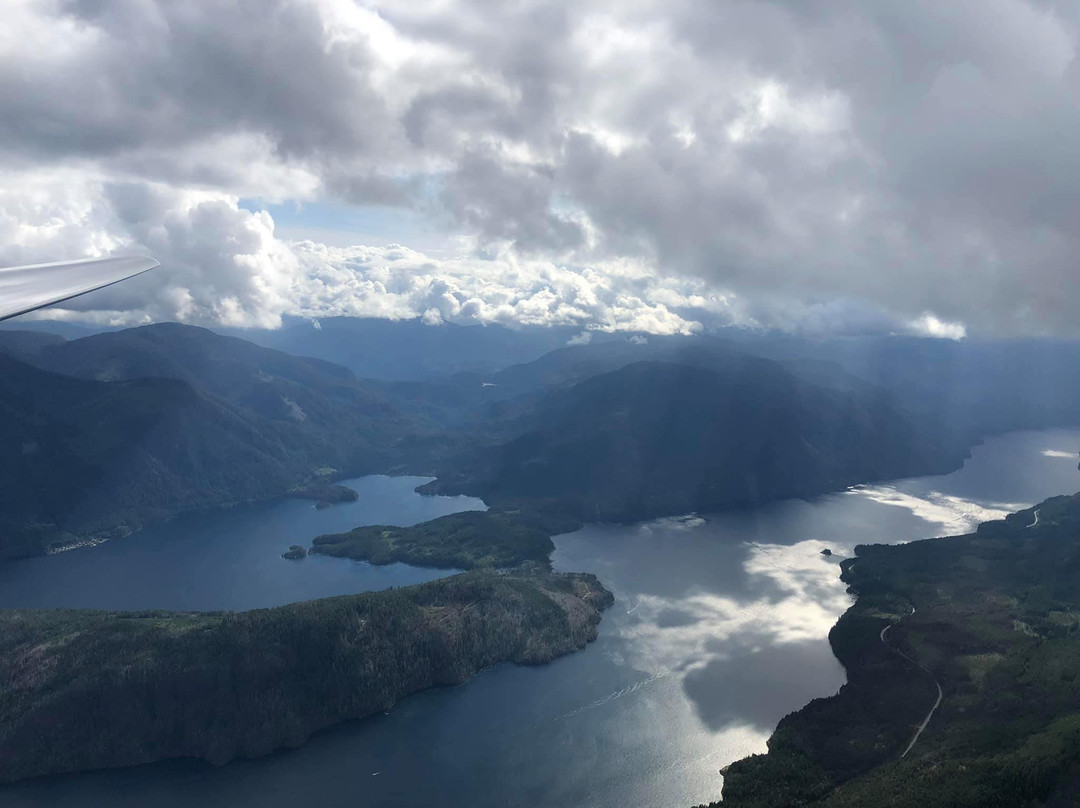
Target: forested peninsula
[
  {"x": 95, "y": 689},
  {"x": 992, "y": 619}
]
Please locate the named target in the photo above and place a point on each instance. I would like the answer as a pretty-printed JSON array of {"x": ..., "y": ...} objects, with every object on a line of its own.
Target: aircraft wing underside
[{"x": 35, "y": 286}]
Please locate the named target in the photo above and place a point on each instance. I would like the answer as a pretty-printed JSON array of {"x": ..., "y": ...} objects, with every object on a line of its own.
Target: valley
[
  {"x": 698, "y": 481},
  {"x": 128, "y": 428}
]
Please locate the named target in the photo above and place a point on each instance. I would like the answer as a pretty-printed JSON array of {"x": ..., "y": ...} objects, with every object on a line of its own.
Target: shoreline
[
  {"x": 295, "y": 669},
  {"x": 966, "y": 623}
]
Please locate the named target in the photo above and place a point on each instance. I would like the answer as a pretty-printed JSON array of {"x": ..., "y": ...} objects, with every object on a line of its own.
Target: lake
[
  {"x": 231, "y": 559},
  {"x": 718, "y": 630}
]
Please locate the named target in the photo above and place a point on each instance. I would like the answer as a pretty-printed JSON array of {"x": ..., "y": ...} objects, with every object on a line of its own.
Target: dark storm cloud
[
  {"x": 508, "y": 201},
  {"x": 149, "y": 76}
]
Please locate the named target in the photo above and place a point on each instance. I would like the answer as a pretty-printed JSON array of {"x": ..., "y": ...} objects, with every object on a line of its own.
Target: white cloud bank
[
  {"x": 226, "y": 266},
  {"x": 833, "y": 165}
]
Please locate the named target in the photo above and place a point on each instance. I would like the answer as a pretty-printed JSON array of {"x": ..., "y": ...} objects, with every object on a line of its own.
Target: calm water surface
[
  {"x": 718, "y": 630},
  {"x": 231, "y": 559}
]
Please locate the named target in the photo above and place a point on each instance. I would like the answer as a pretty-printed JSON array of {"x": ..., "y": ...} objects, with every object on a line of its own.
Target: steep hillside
[
  {"x": 654, "y": 437},
  {"x": 85, "y": 459},
  {"x": 26, "y": 345},
  {"x": 116, "y": 430}
]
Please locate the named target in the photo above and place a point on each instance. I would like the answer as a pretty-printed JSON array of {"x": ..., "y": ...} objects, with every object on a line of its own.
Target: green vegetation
[
  {"x": 324, "y": 494},
  {"x": 995, "y": 622},
  {"x": 295, "y": 552},
  {"x": 462, "y": 541},
  {"x": 90, "y": 689}
]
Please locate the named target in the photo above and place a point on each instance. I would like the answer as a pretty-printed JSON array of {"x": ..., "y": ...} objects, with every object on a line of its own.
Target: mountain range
[
  {"x": 115, "y": 430},
  {"x": 723, "y": 430}
]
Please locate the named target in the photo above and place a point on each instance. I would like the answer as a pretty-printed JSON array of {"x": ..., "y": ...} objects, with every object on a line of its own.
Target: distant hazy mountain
[
  {"x": 56, "y": 327},
  {"x": 966, "y": 390},
  {"x": 594, "y": 426},
  {"x": 618, "y": 428},
  {"x": 657, "y": 438},
  {"x": 487, "y": 401},
  {"x": 572, "y": 364},
  {"x": 405, "y": 350},
  {"x": 301, "y": 391},
  {"x": 971, "y": 387}
]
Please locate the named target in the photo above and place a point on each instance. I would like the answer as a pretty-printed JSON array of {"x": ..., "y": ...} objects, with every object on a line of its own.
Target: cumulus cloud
[
  {"x": 395, "y": 282},
  {"x": 657, "y": 166},
  {"x": 227, "y": 266}
]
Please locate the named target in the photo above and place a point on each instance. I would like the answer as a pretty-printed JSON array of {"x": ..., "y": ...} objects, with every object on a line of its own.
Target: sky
[{"x": 665, "y": 166}]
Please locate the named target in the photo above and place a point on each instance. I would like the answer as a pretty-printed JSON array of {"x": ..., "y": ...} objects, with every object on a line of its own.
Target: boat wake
[{"x": 618, "y": 694}]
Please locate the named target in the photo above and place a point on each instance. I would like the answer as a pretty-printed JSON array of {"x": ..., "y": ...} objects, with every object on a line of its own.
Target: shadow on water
[{"x": 743, "y": 686}]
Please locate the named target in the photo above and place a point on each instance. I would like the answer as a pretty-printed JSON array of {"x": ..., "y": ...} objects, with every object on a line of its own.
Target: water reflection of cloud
[
  {"x": 666, "y": 523},
  {"x": 721, "y": 645},
  {"x": 751, "y": 646},
  {"x": 953, "y": 514},
  {"x": 1058, "y": 453}
]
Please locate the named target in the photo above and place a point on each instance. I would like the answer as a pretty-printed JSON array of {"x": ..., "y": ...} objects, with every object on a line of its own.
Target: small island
[
  {"x": 295, "y": 552},
  {"x": 324, "y": 494},
  {"x": 94, "y": 689},
  {"x": 468, "y": 540}
]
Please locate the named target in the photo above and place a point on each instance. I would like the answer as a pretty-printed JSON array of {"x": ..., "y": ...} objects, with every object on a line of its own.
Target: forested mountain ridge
[
  {"x": 111, "y": 432},
  {"x": 26, "y": 345},
  {"x": 965, "y": 390},
  {"x": 656, "y": 438},
  {"x": 91, "y": 459}
]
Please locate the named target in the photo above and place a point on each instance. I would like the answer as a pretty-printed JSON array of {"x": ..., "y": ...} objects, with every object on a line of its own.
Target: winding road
[
  {"x": 924, "y": 669},
  {"x": 940, "y": 693}
]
